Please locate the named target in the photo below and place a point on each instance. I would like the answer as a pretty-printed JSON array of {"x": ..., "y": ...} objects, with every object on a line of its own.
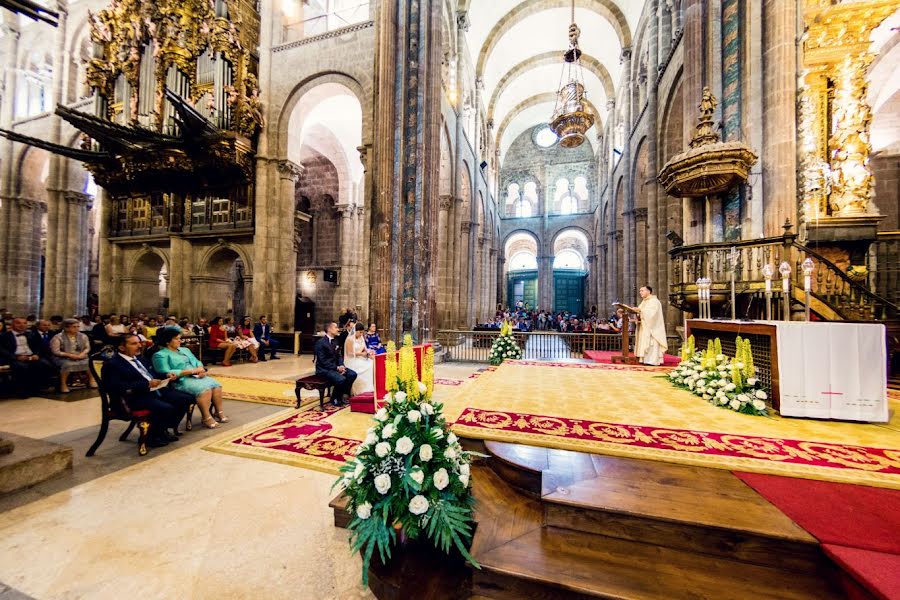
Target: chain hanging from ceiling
[{"x": 572, "y": 116}]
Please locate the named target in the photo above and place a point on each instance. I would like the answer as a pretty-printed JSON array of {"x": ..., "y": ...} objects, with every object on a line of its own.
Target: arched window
[
  {"x": 568, "y": 259},
  {"x": 581, "y": 190},
  {"x": 531, "y": 193},
  {"x": 523, "y": 208},
  {"x": 523, "y": 261},
  {"x": 512, "y": 193},
  {"x": 568, "y": 205},
  {"x": 562, "y": 188}
]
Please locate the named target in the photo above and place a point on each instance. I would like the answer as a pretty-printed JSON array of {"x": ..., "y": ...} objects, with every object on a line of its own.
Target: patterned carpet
[{"x": 604, "y": 409}]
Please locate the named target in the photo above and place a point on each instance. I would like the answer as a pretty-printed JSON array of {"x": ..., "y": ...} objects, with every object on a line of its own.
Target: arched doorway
[
  {"x": 522, "y": 270},
  {"x": 148, "y": 285},
  {"x": 224, "y": 282},
  {"x": 570, "y": 250}
]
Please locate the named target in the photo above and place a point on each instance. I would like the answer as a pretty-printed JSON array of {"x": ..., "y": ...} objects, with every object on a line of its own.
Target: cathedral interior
[{"x": 427, "y": 165}]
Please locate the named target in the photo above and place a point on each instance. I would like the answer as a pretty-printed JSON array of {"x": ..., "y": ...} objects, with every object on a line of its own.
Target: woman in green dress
[{"x": 190, "y": 374}]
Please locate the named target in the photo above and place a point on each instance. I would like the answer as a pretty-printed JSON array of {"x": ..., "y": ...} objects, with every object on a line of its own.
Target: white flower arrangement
[
  {"x": 504, "y": 347},
  {"x": 720, "y": 380},
  {"x": 410, "y": 474}
]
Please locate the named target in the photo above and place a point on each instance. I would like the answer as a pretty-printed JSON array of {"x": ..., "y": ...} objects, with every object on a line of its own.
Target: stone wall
[{"x": 886, "y": 168}]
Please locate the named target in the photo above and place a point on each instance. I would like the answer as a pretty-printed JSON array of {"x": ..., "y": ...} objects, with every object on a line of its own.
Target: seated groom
[
  {"x": 262, "y": 331},
  {"x": 330, "y": 365}
]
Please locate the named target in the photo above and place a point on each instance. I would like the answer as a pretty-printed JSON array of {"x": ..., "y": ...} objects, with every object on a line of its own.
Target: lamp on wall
[{"x": 571, "y": 116}]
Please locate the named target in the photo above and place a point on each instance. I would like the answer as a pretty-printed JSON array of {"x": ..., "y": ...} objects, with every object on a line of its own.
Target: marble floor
[{"x": 180, "y": 523}]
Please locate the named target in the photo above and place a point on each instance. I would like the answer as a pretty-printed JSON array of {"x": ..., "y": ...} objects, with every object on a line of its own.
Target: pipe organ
[{"x": 175, "y": 115}]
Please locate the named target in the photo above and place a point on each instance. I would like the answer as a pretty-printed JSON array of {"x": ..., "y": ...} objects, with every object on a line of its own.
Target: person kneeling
[
  {"x": 126, "y": 377},
  {"x": 329, "y": 356},
  {"x": 189, "y": 375}
]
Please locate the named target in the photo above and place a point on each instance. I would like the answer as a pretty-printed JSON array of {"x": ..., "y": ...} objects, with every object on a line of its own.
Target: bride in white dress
[{"x": 359, "y": 358}]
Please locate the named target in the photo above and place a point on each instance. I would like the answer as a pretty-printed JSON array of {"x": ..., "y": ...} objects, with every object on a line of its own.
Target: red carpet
[
  {"x": 878, "y": 572},
  {"x": 858, "y": 526},
  {"x": 605, "y": 356}
]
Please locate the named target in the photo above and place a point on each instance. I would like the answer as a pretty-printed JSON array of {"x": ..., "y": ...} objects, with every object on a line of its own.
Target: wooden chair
[{"x": 115, "y": 409}]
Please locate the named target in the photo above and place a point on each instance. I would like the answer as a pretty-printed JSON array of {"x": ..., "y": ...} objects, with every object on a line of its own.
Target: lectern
[{"x": 627, "y": 357}]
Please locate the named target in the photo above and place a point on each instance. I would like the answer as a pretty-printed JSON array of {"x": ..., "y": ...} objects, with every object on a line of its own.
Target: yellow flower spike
[
  {"x": 736, "y": 375},
  {"x": 408, "y": 369},
  {"x": 428, "y": 370},
  {"x": 718, "y": 346},
  {"x": 390, "y": 368}
]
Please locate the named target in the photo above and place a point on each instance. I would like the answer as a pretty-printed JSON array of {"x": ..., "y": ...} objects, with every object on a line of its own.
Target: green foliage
[{"x": 503, "y": 348}]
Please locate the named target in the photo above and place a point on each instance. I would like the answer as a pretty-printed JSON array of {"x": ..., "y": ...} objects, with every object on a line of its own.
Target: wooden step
[
  {"x": 677, "y": 506},
  {"x": 552, "y": 563}
]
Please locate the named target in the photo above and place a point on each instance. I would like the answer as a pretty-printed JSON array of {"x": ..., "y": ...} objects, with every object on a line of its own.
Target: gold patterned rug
[
  {"x": 262, "y": 391},
  {"x": 594, "y": 408}
]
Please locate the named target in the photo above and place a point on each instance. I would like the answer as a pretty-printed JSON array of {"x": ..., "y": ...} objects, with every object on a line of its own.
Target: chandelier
[{"x": 571, "y": 117}]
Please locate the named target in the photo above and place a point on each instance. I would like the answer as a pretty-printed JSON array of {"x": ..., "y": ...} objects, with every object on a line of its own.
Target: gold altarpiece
[{"x": 833, "y": 113}]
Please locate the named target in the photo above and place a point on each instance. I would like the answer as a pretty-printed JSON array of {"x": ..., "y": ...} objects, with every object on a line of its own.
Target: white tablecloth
[{"x": 832, "y": 370}]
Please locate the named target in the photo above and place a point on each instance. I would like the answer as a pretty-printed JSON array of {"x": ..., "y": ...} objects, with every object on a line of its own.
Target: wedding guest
[
  {"x": 115, "y": 328},
  {"x": 262, "y": 331},
  {"x": 243, "y": 338},
  {"x": 23, "y": 351},
  {"x": 189, "y": 375},
  {"x": 218, "y": 338},
  {"x": 69, "y": 352},
  {"x": 373, "y": 341},
  {"x": 202, "y": 328},
  {"x": 45, "y": 333}
]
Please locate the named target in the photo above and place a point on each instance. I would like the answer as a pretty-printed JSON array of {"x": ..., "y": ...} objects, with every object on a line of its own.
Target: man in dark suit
[
  {"x": 262, "y": 331},
  {"x": 330, "y": 365},
  {"x": 45, "y": 332},
  {"x": 24, "y": 351},
  {"x": 125, "y": 377},
  {"x": 347, "y": 329}
]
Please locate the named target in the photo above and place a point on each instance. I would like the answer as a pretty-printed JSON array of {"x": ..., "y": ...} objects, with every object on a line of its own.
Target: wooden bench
[{"x": 313, "y": 382}]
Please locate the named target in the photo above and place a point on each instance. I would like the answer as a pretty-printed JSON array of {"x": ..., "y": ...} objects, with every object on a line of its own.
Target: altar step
[
  {"x": 26, "y": 461},
  {"x": 557, "y": 524}
]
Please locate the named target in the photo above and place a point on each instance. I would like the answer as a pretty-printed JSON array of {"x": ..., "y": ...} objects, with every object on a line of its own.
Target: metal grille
[
  {"x": 759, "y": 346},
  {"x": 475, "y": 346}
]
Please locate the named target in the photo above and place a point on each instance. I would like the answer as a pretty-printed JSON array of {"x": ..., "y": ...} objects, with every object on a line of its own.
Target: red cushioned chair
[{"x": 370, "y": 402}]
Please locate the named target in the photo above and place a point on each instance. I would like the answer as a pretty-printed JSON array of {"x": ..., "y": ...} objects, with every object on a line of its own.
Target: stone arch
[
  {"x": 545, "y": 97},
  {"x": 147, "y": 281},
  {"x": 282, "y": 123},
  {"x": 209, "y": 258},
  {"x": 527, "y": 8},
  {"x": 550, "y": 58}
]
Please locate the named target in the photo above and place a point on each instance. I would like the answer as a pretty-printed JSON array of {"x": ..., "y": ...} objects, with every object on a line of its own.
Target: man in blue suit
[
  {"x": 262, "y": 331},
  {"x": 127, "y": 379},
  {"x": 26, "y": 355},
  {"x": 330, "y": 365}
]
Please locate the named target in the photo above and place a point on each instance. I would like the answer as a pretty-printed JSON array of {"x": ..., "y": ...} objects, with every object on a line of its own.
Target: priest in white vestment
[{"x": 650, "y": 345}]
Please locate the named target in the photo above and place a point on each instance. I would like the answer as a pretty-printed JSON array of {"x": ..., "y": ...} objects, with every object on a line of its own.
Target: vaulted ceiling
[{"x": 517, "y": 47}]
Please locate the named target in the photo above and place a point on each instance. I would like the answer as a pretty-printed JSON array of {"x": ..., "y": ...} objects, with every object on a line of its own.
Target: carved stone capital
[
  {"x": 345, "y": 210},
  {"x": 482, "y": 240},
  {"x": 626, "y": 54},
  {"x": 445, "y": 202},
  {"x": 363, "y": 156},
  {"x": 466, "y": 226},
  {"x": 462, "y": 21},
  {"x": 289, "y": 170},
  {"x": 78, "y": 198},
  {"x": 640, "y": 214},
  {"x": 493, "y": 252},
  {"x": 610, "y": 104},
  {"x": 9, "y": 29}
]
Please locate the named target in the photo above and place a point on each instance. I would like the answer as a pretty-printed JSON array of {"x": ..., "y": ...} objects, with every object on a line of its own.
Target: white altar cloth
[{"x": 832, "y": 370}]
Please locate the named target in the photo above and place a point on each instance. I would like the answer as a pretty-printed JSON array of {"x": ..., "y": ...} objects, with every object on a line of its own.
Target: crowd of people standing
[{"x": 524, "y": 318}]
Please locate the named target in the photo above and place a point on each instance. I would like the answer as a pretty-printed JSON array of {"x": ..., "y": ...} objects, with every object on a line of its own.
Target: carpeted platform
[
  {"x": 859, "y": 526},
  {"x": 605, "y": 357},
  {"x": 259, "y": 390},
  {"x": 610, "y": 409}
]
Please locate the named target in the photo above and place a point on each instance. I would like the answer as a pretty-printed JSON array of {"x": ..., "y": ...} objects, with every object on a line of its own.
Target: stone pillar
[
  {"x": 407, "y": 152},
  {"x": 629, "y": 260},
  {"x": 664, "y": 33},
  {"x": 274, "y": 259},
  {"x": 21, "y": 295},
  {"x": 660, "y": 20},
  {"x": 10, "y": 32},
  {"x": 59, "y": 227},
  {"x": 545, "y": 280},
  {"x": 183, "y": 299},
  {"x": 345, "y": 291},
  {"x": 779, "y": 151},
  {"x": 77, "y": 254},
  {"x": 444, "y": 278},
  {"x": 466, "y": 228}
]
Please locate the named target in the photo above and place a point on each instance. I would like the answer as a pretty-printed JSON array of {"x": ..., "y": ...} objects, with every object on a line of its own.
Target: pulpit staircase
[{"x": 866, "y": 293}]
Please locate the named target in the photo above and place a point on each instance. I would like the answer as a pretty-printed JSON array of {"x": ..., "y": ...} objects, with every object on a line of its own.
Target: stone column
[
  {"x": 464, "y": 318},
  {"x": 345, "y": 290},
  {"x": 664, "y": 36},
  {"x": 779, "y": 151},
  {"x": 77, "y": 254},
  {"x": 660, "y": 20},
  {"x": 407, "y": 152},
  {"x": 59, "y": 226},
  {"x": 10, "y": 31},
  {"x": 444, "y": 278},
  {"x": 23, "y": 265},
  {"x": 275, "y": 262},
  {"x": 629, "y": 260}
]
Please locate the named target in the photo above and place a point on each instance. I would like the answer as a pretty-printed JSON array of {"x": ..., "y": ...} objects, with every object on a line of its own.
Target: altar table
[{"x": 818, "y": 370}]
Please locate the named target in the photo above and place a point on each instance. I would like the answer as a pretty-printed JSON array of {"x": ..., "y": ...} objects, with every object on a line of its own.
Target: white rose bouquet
[
  {"x": 410, "y": 474},
  {"x": 504, "y": 347},
  {"x": 721, "y": 380}
]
